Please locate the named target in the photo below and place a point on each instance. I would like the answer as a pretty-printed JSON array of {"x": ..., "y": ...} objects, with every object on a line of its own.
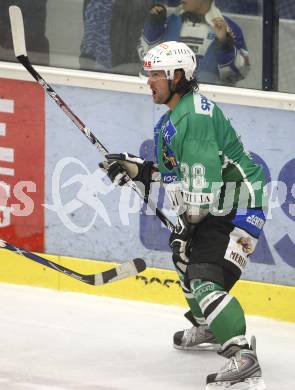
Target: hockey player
[
  {"x": 219, "y": 198},
  {"x": 217, "y": 41}
]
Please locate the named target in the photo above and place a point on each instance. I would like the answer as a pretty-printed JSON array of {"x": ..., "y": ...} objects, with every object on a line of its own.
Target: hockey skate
[
  {"x": 242, "y": 372},
  {"x": 196, "y": 338}
]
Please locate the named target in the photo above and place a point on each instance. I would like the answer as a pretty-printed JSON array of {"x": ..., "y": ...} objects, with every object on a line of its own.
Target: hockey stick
[
  {"x": 122, "y": 271},
  {"x": 19, "y": 44}
]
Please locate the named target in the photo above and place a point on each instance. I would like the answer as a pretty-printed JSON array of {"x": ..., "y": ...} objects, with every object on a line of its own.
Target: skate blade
[
  {"x": 248, "y": 384},
  {"x": 199, "y": 347}
]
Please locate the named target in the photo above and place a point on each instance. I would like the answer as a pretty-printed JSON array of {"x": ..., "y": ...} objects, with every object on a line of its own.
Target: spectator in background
[
  {"x": 216, "y": 40},
  {"x": 34, "y": 14},
  {"x": 96, "y": 44},
  {"x": 111, "y": 32}
]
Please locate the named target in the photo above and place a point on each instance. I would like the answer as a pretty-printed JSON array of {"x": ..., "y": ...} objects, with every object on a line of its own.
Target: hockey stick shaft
[
  {"x": 19, "y": 44},
  {"x": 122, "y": 271}
]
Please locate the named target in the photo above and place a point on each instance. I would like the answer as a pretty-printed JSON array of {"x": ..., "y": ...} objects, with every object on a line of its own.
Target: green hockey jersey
[{"x": 196, "y": 145}]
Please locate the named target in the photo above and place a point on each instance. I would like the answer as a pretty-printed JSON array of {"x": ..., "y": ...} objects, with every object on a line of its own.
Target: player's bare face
[{"x": 159, "y": 86}]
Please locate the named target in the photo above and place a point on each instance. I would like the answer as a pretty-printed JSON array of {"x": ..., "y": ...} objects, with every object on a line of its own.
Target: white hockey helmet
[{"x": 169, "y": 56}]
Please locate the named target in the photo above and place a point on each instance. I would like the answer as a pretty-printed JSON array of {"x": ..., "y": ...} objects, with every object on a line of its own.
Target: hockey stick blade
[
  {"x": 18, "y": 31},
  {"x": 122, "y": 271},
  {"x": 17, "y": 27}
]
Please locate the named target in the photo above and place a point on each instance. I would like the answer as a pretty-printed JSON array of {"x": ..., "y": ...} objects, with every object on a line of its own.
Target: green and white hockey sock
[
  {"x": 192, "y": 303},
  {"x": 223, "y": 313}
]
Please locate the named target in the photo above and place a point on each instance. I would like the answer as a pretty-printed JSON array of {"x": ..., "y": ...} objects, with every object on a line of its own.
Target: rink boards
[
  {"x": 55, "y": 200},
  {"x": 63, "y": 204},
  {"x": 152, "y": 285}
]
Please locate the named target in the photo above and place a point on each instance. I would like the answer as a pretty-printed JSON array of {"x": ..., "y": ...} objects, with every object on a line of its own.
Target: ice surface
[{"x": 59, "y": 341}]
